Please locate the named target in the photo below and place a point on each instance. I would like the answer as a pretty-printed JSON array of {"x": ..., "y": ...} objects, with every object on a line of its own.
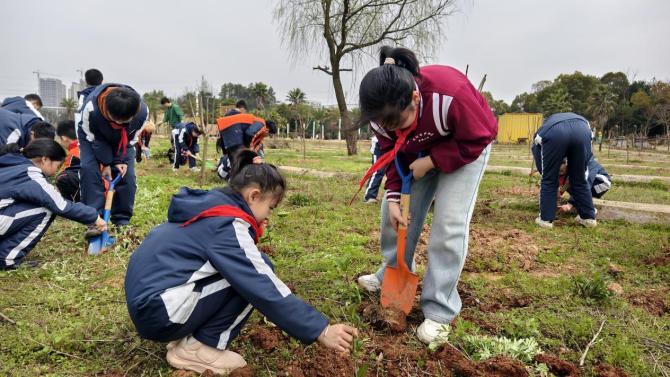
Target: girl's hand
[
  {"x": 565, "y": 208},
  {"x": 421, "y": 166},
  {"x": 106, "y": 172},
  {"x": 123, "y": 168},
  {"x": 395, "y": 215},
  {"x": 338, "y": 337},
  {"x": 100, "y": 224}
]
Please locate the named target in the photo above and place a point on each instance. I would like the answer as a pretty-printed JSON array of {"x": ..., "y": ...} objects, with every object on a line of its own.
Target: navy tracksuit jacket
[
  {"x": 100, "y": 144},
  {"x": 15, "y": 127},
  {"x": 375, "y": 181},
  {"x": 239, "y": 135},
  {"x": 183, "y": 141},
  {"x": 204, "y": 279},
  {"x": 564, "y": 135},
  {"x": 28, "y": 204},
  {"x": 598, "y": 179},
  {"x": 19, "y": 105}
]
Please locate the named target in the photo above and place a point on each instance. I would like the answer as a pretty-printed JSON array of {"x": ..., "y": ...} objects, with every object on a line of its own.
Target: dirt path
[{"x": 615, "y": 177}]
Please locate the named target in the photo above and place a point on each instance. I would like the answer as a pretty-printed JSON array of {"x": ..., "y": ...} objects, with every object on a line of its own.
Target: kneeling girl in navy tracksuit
[
  {"x": 28, "y": 202},
  {"x": 196, "y": 278}
]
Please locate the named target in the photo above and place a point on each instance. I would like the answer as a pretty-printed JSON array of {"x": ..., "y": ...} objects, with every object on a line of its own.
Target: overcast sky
[{"x": 169, "y": 44}]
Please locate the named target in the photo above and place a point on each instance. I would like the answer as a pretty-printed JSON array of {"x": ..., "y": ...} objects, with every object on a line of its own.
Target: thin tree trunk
[{"x": 349, "y": 132}]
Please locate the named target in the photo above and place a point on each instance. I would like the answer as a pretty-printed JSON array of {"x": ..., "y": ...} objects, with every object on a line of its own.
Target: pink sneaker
[{"x": 190, "y": 354}]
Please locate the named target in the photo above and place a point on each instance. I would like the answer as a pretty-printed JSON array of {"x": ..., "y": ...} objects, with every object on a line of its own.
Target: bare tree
[{"x": 352, "y": 28}]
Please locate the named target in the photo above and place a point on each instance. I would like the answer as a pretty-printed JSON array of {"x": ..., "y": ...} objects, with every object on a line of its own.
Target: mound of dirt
[
  {"x": 506, "y": 299},
  {"x": 652, "y": 300},
  {"x": 496, "y": 250},
  {"x": 243, "y": 372},
  {"x": 606, "y": 370},
  {"x": 319, "y": 362},
  {"x": 660, "y": 260},
  {"x": 266, "y": 338},
  {"x": 557, "y": 366},
  {"x": 267, "y": 249},
  {"x": 454, "y": 361},
  {"x": 383, "y": 318}
]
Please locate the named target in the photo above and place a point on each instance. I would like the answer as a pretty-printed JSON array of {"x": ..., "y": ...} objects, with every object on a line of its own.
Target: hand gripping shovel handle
[{"x": 103, "y": 241}]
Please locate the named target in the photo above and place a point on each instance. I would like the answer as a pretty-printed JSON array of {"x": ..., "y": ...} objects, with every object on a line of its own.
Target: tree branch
[{"x": 324, "y": 69}]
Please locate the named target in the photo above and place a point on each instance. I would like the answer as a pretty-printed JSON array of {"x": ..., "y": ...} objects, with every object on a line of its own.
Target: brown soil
[
  {"x": 319, "y": 362},
  {"x": 267, "y": 249},
  {"x": 660, "y": 260},
  {"x": 606, "y": 370},
  {"x": 560, "y": 368},
  {"x": 454, "y": 361},
  {"x": 652, "y": 300},
  {"x": 497, "y": 250},
  {"x": 243, "y": 372},
  {"x": 505, "y": 299},
  {"x": 421, "y": 252},
  {"x": 383, "y": 318},
  {"x": 265, "y": 338}
]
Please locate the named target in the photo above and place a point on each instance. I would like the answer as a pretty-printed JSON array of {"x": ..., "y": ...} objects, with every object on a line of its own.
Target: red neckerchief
[
  {"x": 387, "y": 157},
  {"x": 229, "y": 211}
]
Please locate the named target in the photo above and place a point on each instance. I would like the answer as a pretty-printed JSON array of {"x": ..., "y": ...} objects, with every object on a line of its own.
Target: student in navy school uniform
[
  {"x": 20, "y": 129},
  {"x": 67, "y": 181},
  {"x": 441, "y": 129},
  {"x": 28, "y": 203},
  {"x": 597, "y": 177},
  {"x": 29, "y": 104},
  {"x": 564, "y": 136},
  {"x": 185, "y": 141},
  {"x": 112, "y": 116},
  {"x": 93, "y": 78},
  {"x": 238, "y": 129},
  {"x": 196, "y": 278},
  {"x": 372, "y": 189}
]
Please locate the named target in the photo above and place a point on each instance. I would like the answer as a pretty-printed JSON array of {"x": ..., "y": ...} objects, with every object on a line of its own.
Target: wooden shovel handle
[
  {"x": 109, "y": 199},
  {"x": 402, "y": 231}
]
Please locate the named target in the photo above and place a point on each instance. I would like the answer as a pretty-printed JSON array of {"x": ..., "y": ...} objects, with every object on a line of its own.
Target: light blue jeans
[{"x": 455, "y": 195}]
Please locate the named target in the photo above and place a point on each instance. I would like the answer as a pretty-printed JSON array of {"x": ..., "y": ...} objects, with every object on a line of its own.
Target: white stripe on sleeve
[
  {"x": 251, "y": 251},
  {"x": 36, "y": 175}
]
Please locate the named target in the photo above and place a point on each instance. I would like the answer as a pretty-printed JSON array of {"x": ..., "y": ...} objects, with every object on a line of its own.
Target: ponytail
[
  {"x": 37, "y": 148},
  {"x": 386, "y": 91},
  {"x": 246, "y": 171}
]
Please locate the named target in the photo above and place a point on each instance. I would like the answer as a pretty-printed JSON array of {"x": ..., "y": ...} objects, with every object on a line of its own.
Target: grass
[{"x": 71, "y": 318}]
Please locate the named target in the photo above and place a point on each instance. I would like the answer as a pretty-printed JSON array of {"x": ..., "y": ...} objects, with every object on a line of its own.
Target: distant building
[
  {"x": 52, "y": 91},
  {"x": 74, "y": 88}
]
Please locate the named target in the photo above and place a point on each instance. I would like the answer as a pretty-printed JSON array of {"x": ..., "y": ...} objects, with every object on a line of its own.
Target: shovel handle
[
  {"x": 402, "y": 232},
  {"x": 109, "y": 199}
]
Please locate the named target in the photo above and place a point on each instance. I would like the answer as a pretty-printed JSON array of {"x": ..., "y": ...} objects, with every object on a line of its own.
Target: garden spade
[
  {"x": 101, "y": 243},
  {"x": 399, "y": 285}
]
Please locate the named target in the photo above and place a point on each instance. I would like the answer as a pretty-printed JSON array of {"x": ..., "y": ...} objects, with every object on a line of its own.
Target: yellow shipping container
[{"x": 518, "y": 128}]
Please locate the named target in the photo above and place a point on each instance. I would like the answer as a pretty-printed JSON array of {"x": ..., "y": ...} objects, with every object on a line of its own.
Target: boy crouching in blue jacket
[{"x": 195, "y": 279}]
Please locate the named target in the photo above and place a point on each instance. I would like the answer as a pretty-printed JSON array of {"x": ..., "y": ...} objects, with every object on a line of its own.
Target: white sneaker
[
  {"x": 429, "y": 330},
  {"x": 190, "y": 354},
  {"x": 370, "y": 283},
  {"x": 371, "y": 201},
  {"x": 543, "y": 224},
  {"x": 588, "y": 223},
  {"x": 194, "y": 169}
]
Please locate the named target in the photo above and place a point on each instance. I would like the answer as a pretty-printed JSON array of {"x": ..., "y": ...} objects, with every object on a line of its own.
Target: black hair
[
  {"x": 165, "y": 100},
  {"x": 66, "y": 128},
  {"x": 37, "y": 148},
  {"x": 245, "y": 172},
  {"x": 272, "y": 127},
  {"x": 241, "y": 104},
  {"x": 386, "y": 91},
  {"x": 122, "y": 103},
  {"x": 93, "y": 77},
  {"x": 43, "y": 130},
  {"x": 34, "y": 97}
]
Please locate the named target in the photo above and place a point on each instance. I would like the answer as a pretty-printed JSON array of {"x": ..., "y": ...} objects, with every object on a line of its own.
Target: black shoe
[{"x": 27, "y": 264}]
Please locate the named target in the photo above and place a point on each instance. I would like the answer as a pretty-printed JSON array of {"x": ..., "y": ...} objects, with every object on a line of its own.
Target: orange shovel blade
[{"x": 399, "y": 285}]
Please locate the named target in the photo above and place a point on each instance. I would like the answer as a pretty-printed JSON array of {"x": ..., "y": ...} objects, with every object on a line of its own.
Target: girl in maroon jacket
[{"x": 440, "y": 128}]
